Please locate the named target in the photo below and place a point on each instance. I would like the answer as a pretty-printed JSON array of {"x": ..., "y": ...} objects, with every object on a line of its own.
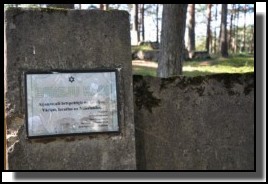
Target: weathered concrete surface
[
  {"x": 201, "y": 123},
  {"x": 71, "y": 40}
]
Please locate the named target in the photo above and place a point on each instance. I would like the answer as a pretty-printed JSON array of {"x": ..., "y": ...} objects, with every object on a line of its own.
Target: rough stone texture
[
  {"x": 200, "y": 123},
  {"x": 72, "y": 40}
]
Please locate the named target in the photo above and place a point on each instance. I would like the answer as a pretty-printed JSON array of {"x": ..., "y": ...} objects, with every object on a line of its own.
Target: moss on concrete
[
  {"x": 143, "y": 96},
  {"x": 166, "y": 81}
]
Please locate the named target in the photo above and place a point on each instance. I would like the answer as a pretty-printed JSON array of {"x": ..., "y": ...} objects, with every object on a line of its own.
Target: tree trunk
[
  {"x": 172, "y": 40},
  {"x": 252, "y": 40},
  {"x": 208, "y": 26},
  {"x": 223, "y": 32},
  {"x": 65, "y": 6},
  {"x": 157, "y": 29},
  {"x": 231, "y": 28},
  {"x": 142, "y": 22},
  {"x": 134, "y": 30},
  {"x": 191, "y": 29},
  {"x": 106, "y": 7},
  {"x": 244, "y": 33},
  {"x": 215, "y": 30},
  {"x": 236, "y": 31},
  {"x": 136, "y": 20}
]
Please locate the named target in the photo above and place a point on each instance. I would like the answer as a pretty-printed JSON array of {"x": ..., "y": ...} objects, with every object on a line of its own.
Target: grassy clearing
[
  {"x": 141, "y": 47},
  {"x": 233, "y": 64},
  {"x": 144, "y": 70}
]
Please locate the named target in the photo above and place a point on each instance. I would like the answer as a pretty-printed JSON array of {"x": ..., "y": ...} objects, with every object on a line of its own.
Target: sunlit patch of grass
[
  {"x": 141, "y": 47},
  {"x": 194, "y": 71},
  {"x": 233, "y": 64}
]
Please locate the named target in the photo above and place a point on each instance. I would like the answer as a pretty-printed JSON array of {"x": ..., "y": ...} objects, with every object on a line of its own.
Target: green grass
[
  {"x": 141, "y": 47},
  {"x": 145, "y": 71},
  {"x": 233, "y": 64}
]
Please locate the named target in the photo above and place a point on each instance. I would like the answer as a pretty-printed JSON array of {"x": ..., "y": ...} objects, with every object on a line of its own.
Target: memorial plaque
[{"x": 61, "y": 103}]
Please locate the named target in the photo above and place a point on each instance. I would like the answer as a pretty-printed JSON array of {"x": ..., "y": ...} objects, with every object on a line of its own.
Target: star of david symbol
[{"x": 71, "y": 79}]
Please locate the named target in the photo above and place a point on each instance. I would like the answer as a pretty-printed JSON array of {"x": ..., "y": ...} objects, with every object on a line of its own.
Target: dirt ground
[{"x": 144, "y": 63}]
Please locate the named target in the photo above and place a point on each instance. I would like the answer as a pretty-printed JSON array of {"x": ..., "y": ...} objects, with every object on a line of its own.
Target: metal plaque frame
[{"x": 110, "y": 76}]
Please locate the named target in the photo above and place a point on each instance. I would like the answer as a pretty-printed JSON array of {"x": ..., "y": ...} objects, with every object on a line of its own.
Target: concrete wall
[
  {"x": 201, "y": 123},
  {"x": 71, "y": 40}
]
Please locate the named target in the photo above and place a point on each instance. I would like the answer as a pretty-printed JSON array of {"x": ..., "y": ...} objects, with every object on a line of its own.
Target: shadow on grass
[
  {"x": 195, "y": 73},
  {"x": 241, "y": 60},
  {"x": 234, "y": 62},
  {"x": 144, "y": 70}
]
